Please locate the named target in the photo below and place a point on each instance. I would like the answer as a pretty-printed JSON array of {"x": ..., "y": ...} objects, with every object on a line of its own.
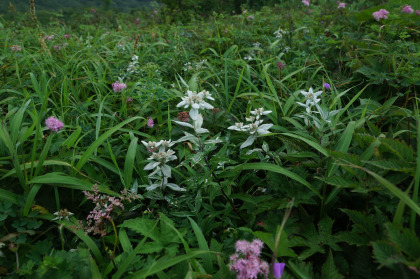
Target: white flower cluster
[
  {"x": 311, "y": 99},
  {"x": 133, "y": 66},
  {"x": 280, "y": 33},
  {"x": 196, "y": 101},
  {"x": 196, "y": 66},
  {"x": 161, "y": 155},
  {"x": 254, "y": 128}
]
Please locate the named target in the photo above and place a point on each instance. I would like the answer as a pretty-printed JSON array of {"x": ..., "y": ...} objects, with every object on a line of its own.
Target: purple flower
[
  {"x": 251, "y": 17},
  {"x": 92, "y": 11},
  {"x": 118, "y": 86},
  {"x": 381, "y": 14},
  {"x": 327, "y": 86},
  {"x": 54, "y": 124},
  {"x": 280, "y": 65},
  {"x": 129, "y": 99},
  {"x": 66, "y": 36},
  {"x": 306, "y": 2},
  {"x": 150, "y": 122},
  {"x": 278, "y": 270},
  {"x": 418, "y": 12},
  {"x": 407, "y": 9}
]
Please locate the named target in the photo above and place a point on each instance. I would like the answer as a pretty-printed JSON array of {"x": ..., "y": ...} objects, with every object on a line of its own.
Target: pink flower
[
  {"x": 418, "y": 12},
  {"x": 129, "y": 99},
  {"x": 118, "y": 86},
  {"x": 407, "y": 9},
  {"x": 16, "y": 48},
  {"x": 341, "y": 5},
  {"x": 306, "y": 2},
  {"x": 251, "y": 17},
  {"x": 137, "y": 21},
  {"x": 66, "y": 36},
  {"x": 92, "y": 11},
  {"x": 150, "y": 122},
  {"x": 246, "y": 262},
  {"x": 382, "y": 13},
  {"x": 280, "y": 65},
  {"x": 54, "y": 124}
]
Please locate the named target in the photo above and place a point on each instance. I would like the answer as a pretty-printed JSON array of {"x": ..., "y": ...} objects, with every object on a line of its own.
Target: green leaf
[
  {"x": 9, "y": 197},
  {"x": 277, "y": 169},
  {"x": 202, "y": 244},
  {"x": 72, "y": 138},
  {"x": 329, "y": 270},
  {"x": 91, "y": 149},
  {"x": 129, "y": 162}
]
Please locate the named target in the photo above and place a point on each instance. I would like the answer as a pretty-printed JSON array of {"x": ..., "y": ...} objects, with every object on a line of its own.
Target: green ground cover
[{"x": 155, "y": 143}]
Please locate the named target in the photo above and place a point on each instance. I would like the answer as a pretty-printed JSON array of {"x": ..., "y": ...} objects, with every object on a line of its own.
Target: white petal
[
  {"x": 193, "y": 113},
  {"x": 184, "y": 124},
  {"x": 250, "y": 140},
  {"x": 183, "y": 103},
  {"x": 151, "y": 165},
  {"x": 195, "y": 105}
]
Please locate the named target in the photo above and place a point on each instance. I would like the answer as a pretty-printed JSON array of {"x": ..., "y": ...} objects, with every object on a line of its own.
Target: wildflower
[
  {"x": 280, "y": 65},
  {"x": 137, "y": 21},
  {"x": 327, "y": 86},
  {"x": 381, "y": 14},
  {"x": 407, "y": 9},
  {"x": 66, "y": 36},
  {"x": 48, "y": 37},
  {"x": 151, "y": 145},
  {"x": 92, "y": 11},
  {"x": 260, "y": 111},
  {"x": 246, "y": 262},
  {"x": 244, "y": 11},
  {"x": 196, "y": 101},
  {"x": 183, "y": 116},
  {"x": 278, "y": 270},
  {"x": 63, "y": 213},
  {"x": 129, "y": 100},
  {"x": 251, "y": 17},
  {"x": 311, "y": 96},
  {"x": 150, "y": 122},
  {"x": 238, "y": 127},
  {"x": 155, "y": 12},
  {"x": 118, "y": 86},
  {"x": 341, "y": 5},
  {"x": 54, "y": 124},
  {"x": 418, "y": 12},
  {"x": 16, "y": 48},
  {"x": 249, "y": 58},
  {"x": 279, "y": 33},
  {"x": 57, "y": 47},
  {"x": 306, "y": 2}
]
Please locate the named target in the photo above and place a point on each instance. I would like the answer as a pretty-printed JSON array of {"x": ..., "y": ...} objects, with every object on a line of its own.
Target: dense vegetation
[{"x": 154, "y": 143}]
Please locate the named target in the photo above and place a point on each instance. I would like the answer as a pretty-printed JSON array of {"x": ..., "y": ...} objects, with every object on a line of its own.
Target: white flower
[
  {"x": 238, "y": 127},
  {"x": 259, "y": 112},
  {"x": 196, "y": 101},
  {"x": 249, "y": 58},
  {"x": 166, "y": 144},
  {"x": 311, "y": 97},
  {"x": 257, "y": 128},
  {"x": 151, "y": 145},
  {"x": 279, "y": 33},
  {"x": 63, "y": 213}
]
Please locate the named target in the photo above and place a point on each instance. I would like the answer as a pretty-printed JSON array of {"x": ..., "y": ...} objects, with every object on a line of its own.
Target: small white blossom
[
  {"x": 259, "y": 112},
  {"x": 311, "y": 97},
  {"x": 279, "y": 33},
  {"x": 196, "y": 102},
  {"x": 62, "y": 214}
]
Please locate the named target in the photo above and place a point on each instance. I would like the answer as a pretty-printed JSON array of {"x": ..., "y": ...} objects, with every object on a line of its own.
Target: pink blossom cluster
[
  {"x": 341, "y": 5},
  {"x": 66, "y": 36},
  {"x": 407, "y": 9},
  {"x": 306, "y": 2},
  {"x": 54, "y": 124},
  {"x": 150, "y": 122},
  {"x": 104, "y": 205},
  {"x": 246, "y": 262},
  {"x": 418, "y": 12},
  {"x": 118, "y": 86},
  {"x": 16, "y": 48},
  {"x": 382, "y": 13}
]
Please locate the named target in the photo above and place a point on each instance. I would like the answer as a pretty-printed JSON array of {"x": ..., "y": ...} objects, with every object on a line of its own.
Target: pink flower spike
[
  {"x": 54, "y": 124},
  {"x": 407, "y": 9},
  {"x": 118, "y": 86},
  {"x": 150, "y": 122},
  {"x": 306, "y": 2},
  {"x": 341, "y": 5}
]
